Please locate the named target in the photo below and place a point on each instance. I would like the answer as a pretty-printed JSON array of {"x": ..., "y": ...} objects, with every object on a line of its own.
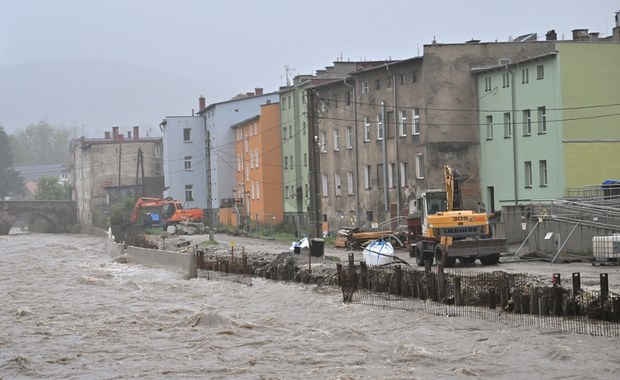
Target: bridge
[{"x": 58, "y": 215}]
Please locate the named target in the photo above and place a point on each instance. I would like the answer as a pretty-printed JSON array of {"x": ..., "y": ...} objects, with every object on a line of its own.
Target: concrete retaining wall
[
  {"x": 114, "y": 249},
  {"x": 184, "y": 263}
]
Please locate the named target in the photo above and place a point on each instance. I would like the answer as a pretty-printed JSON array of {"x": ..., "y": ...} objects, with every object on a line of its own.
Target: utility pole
[
  {"x": 209, "y": 192},
  {"x": 315, "y": 165},
  {"x": 120, "y": 154},
  {"x": 140, "y": 164}
]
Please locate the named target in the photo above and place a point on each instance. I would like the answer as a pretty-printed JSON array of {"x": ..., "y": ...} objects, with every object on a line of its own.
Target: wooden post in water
[
  {"x": 399, "y": 280},
  {"x": 457, "y": 291}
]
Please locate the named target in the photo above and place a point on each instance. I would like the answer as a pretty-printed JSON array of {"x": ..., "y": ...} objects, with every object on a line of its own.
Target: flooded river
[{"x": 68, "y": 311}]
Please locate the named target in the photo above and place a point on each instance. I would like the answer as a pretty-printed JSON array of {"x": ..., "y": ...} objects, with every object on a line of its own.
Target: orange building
[{"x": 259, "y": 168}]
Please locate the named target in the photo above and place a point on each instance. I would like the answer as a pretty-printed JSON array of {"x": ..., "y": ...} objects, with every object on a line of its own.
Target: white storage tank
[{"x": 606, "y": 248}]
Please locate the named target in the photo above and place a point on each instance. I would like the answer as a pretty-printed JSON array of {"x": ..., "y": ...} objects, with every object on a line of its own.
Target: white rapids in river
[{"x": 68, "y": 311}]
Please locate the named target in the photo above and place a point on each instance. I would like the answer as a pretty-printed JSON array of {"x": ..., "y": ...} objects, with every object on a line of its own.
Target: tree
[
  {"x": 48, "y": 189},
  {"x": 11, "y": 183},
  {"x": 41, "y": 143}
]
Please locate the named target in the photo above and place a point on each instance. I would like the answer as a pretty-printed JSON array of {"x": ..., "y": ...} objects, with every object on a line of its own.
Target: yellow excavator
[{"x": 440, "y": 230}]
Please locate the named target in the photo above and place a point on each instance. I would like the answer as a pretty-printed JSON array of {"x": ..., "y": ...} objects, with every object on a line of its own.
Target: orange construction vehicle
[{"x": 170, "y": 211}]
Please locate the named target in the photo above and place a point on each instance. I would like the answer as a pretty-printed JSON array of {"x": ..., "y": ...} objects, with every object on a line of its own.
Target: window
[
  {"x": 257, "y": 190},
  {"x": 507, "y": 125},
  {"x": 188, "y": 162},
  {"x": 489, "y": 127},
  {"x": 403, "y": 174},
  {"x": 389, "y": 82},
  {"x": 525, "y": 76},
  {"x": 291, "y": 162},
  {"x": 286, "y": 195},
  {"x": 377, "y": 84},
  {"x": 542, "y": 168},
  {"x": 251, "y": 159},
  {"x": 367, "y": 171},
  {"x": 487, "y": 84},
  {"x": 253, "y": 190},
  {"x": 528, "y": 174},
  {"x": 239, "y": 162},
  {"x": 323, "y": 142},
  {"x": 419, "y": 166},
  {"x": 304, "y": 128},
  {"x": 402, "y": 125},
  {"x": 337, "y": 184},
  {"x": 350, "y": 183},
  {"x": 402, "y": 79},
  {"x": 380, "y": 176},
  {"x": 540, "y": 72},
  {"x": 349, "y": 138},
  {"x": 189, "y": 193},
  {"x": 256, "y": 157},
  {"x": 366, "y": 128},
  {"x": 324, "y": 184},
  {"x": 527, "y": 122},
  {"x": 187, "y": 134},
  {"x": 379, "y": 127},
  {"x": 290, "y": 131},
  {"x": 542, "y": 120},
  {"x": 284, "y": 133},
  {"x": 157, "y": 150},
  {"x": 335, "y": 99},
  {"x": 247, "y": 143},
  {"x": 414, "y": 78},
  {"x": 285, "y": 162},
  {"x": 364, "y": 87},
  {"x": 347, "y": 98},
  {"x": 416, "y": 122},
  {"x": 307, "y": 187},
  {"x": 390, "y": 175},
  {"x": 305, "y": 160},
  {"x": 336, "y": 139},
  {"x": 506, "y": 80}
]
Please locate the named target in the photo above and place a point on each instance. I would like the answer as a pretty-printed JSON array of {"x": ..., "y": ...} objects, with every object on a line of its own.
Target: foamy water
[{"x": 68, "y": 311}]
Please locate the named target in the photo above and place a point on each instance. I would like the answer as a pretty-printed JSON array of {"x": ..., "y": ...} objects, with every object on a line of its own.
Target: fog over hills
[{"x": 96, "y": 94}]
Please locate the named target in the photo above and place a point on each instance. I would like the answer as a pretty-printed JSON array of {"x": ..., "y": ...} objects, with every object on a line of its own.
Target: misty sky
[{"x": 90, "y": 65}]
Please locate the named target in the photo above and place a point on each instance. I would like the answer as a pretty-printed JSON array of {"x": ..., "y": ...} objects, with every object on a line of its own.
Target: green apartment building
[
  {"x": 294, "y": 120},
  {"x": 549, "y": 124}
]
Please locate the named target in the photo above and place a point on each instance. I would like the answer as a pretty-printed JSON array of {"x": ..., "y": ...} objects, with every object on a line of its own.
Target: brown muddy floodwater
[{"x": 68, "y": 311}]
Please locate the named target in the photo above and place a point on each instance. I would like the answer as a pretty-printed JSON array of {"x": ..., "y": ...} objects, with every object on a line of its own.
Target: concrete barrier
[
  {"x": 114, "y": 249},
  {"x": 184, "y": 263}
]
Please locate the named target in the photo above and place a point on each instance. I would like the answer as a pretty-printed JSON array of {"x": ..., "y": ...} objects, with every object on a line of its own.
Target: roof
[
  {"x": 200, "y": 112},
  {"x": 480, "y": 70},
  {"x": 34, "y": 172},
  {"x": 255, "y": 117}
]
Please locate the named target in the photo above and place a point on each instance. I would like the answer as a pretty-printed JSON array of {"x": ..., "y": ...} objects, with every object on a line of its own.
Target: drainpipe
[
  {"x": 396, "y": 139},
  {"x": 514, "y": 136},
  {"x": 386, "y": 195},
  {"x": 357, "y": 166}
]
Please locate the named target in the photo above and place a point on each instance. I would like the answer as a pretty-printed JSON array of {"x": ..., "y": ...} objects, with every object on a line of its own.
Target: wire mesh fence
[{"x": 517, "y": 299}]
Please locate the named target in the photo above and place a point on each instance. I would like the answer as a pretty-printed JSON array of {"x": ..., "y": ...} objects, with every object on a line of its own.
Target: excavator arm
[{"x": 452, "y": 179}]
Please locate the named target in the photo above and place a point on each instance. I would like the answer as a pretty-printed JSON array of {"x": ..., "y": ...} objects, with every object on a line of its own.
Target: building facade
[
  {"x": 258, "y": 192},
  {"x": 100, "y": 164},
  {"x": 405, "y": 121},
  {"x": 549, "y": 124}
]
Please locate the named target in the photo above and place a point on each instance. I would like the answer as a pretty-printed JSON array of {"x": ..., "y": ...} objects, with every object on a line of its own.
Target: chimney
[
  {"x": 593, "y": 36},
  {"x": 248, "y": 94},
  {"x": 201, "y": 103},
  {"x": 551, "y": 35},
  {"x": 107, "y": 135},
  {"x": 115, "y": 134},
  {"x": 258, "y": 90},
  {"x": 136, "y": 133},
  {"x": 580, "y": 34}
]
